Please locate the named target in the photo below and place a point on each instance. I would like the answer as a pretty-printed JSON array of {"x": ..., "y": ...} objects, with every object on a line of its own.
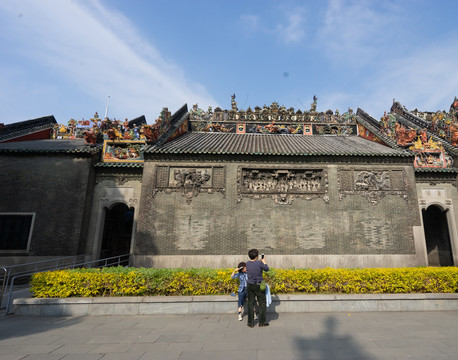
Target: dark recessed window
[{"x": 15, "y": 231}]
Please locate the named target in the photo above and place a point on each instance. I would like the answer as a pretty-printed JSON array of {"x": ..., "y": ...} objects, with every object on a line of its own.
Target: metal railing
[
  {"x": 5, "y": 276},
  {"x": 120, "y": 260}
]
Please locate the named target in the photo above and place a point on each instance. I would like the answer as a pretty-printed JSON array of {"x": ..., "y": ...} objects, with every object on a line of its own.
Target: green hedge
[{"x": 120, "y": 281}]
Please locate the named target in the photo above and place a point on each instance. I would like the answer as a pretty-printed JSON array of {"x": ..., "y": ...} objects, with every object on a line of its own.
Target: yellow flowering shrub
[{"x": 121, "y": 281}]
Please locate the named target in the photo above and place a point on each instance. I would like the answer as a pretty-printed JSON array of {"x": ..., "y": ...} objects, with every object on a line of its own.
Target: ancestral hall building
[{"x": 200, "y": 188}]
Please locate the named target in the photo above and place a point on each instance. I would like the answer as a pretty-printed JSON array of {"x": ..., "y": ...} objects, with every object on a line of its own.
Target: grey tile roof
[
  {"x": 373, "y": 125},
  {"x": 118, "y": 165},
  {"x": 436, "y": 170},
  {"x": 267, "y": 144},
  {"x": 48, "y": 146},
  {"x": 14, "y": 130},
  {"x": 410, "y": 120}
]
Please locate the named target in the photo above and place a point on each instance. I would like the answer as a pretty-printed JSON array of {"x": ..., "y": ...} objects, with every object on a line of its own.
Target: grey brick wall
[
  {"x": 219, "y": 224},
  {"x": 56, "y": 189}
]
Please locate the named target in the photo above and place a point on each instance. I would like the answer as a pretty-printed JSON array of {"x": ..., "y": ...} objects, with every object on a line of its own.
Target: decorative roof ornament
[
  {"x": 313, "y": 105},
  {"x": 233, "y": 103}
]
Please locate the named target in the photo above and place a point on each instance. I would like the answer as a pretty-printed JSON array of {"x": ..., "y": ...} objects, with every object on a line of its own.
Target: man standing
[{"x": 254, "y": 269}]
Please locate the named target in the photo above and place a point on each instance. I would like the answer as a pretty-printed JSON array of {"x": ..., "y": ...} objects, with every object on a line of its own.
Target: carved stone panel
[
  {"x": 282, "y": 185},
  {"x": 372, "y": 184},
  {"x": 190, "y": 181},
  {"x": 118, "y": 178}
]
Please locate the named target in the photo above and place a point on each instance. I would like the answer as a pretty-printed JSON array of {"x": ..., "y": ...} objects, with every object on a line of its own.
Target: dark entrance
[
  {"x": 117, "y": 231},
  {"x": 437, "y": 237}
]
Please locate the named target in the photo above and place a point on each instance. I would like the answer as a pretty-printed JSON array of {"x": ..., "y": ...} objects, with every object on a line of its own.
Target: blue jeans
[{"x": 242, "y": 296}]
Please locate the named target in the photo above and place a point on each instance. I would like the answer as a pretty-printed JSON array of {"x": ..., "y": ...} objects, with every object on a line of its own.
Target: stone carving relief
[
  {"x": 372, "y": 184},
  {"x": 435, "y": 195},
  {"x": 190, "y": 181},
  {"x": 282, "y": 185},
  {"x": 119, "y": 179}
]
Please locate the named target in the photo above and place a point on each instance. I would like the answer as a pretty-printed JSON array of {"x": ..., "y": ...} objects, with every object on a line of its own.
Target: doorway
[
  {"x": 437, "y": 236},
  {"x": 117, "y": 231}
]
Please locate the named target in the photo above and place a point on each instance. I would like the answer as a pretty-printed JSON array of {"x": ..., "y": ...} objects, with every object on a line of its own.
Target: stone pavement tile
[
  {"x": 288, "y": 355},
  {"x": 411, "y": 352},
  {"x": 351, "y": 354},
  {"x": 74, "y": 348},
  {"x": 12, "y": 340},
  {"x": 429, "y": 334},
  {"x": 204, "y": 336},
  {"x": 158, "y": 323},
  {"x": 36, "y": 349},
  {"x": 221, "y": 345},
  {"x": 447, "y": 351},
  {"x": 146, "y": 338},
  {"x": 115, "y": 326},
  {"x": 185, "y": 346},
  {"x": 73, "y": 339},
  {"x": 11, "y": 357},
  {"x": 108, "y": 339},
  {"x": 39, "y": 339},
  {"x": 112, "y": 348},
  {"x": 134, "y": 331},
  {"x": 6, "y": 349},
  {"x": 81, "y": 357},
  {"x": 174, "y": 338},
  {"x": 169, "y": 355},
  {"x": 33, "y": 356},
  {"x": 403, "y": 343},
  {"x": 212, "y": 355},
  {"x": 185, "y": 321},
  {"x": 122, "y": 356},
  {"x": 149, "y": 347}
]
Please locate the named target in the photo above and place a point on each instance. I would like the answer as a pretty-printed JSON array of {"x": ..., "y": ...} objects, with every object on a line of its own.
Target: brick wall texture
[
  {"x": 56, "y": 189},
  {"x": 216, "y": 223}
]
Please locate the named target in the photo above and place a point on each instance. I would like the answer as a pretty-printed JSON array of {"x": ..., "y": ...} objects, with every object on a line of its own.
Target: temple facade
[{"x": 201, "y": 187}]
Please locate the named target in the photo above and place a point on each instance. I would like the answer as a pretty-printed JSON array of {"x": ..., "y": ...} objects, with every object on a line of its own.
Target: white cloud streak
[
  {"x": 100, "y": 51},
  {"x": 290, "y": 31},
  {"x": 426, "y": 80},
  {"x": 354, "y": 31},
  {"x": 293, "y": 30}
]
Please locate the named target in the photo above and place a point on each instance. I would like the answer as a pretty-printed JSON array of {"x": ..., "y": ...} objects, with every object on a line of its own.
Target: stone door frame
[
  {"x": 437, "y": 196},
  {"x": 123, "y": 195}
]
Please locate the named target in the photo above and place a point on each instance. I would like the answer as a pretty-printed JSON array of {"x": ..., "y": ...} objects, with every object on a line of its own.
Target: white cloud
[
  {"x": 293, "y": 30},
  {"x": 251, "y": 22},
  {"x": 426, "y": 79},
  {"x": 354, "y": 31},
  {"x": 100, "y": 52}
]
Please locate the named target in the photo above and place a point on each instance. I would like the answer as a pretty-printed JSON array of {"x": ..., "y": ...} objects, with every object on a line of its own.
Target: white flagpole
[{"x": 106, "y": 110}]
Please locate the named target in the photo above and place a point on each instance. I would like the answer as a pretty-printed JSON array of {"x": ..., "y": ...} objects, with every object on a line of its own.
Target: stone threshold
[{"x": 226, "y": 304}]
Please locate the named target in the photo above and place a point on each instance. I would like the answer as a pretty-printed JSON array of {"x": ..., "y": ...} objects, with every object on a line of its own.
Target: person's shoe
[
  {"x": 264, "y": 325},
  {"x": 251, "y": 326},
  {"x": 240, "y": 316}
]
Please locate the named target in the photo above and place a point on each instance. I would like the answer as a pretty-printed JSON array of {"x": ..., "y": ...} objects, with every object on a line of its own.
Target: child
[{"x": 240, "y": 273}]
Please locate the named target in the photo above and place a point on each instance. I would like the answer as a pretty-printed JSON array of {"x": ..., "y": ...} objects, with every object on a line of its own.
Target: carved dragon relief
[
  {"x": 373, "y": 185},
  {"x": 282, "y": 185},
  {"x": 190, "y": 181}
]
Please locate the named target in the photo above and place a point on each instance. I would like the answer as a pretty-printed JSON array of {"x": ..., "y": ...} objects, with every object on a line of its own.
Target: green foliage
[{"x": 121, "y": 281}]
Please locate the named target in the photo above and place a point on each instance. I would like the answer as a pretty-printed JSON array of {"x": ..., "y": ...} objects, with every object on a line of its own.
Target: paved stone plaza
[{"x": 387, "y": 335}]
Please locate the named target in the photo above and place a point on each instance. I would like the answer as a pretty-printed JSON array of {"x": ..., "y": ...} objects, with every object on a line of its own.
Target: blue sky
[{"x": 65, "y": 58}]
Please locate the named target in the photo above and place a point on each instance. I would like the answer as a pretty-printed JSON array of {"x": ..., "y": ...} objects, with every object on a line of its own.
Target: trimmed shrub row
[{"x": 121, "y": 281}]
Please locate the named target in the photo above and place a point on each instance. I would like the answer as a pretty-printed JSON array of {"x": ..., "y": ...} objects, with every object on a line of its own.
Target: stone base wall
[
  {"x": 224, "y": 304},
  {"x": 277, "y": 261}
]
